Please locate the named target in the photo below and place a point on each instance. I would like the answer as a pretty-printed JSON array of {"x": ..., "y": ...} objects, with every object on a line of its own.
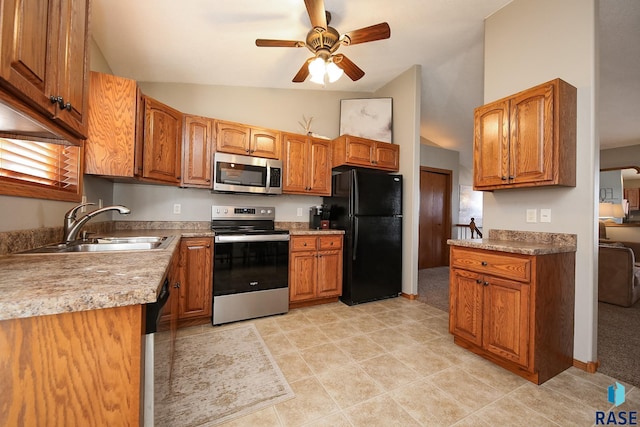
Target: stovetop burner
[{"x": 244, "y": 220}]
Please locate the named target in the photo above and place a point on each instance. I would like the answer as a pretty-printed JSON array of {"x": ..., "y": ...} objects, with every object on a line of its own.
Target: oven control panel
[{"x": 243, "y": 212}]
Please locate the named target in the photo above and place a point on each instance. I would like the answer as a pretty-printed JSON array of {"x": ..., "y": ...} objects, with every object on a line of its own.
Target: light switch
[
  {"x": 532, "y": 215},
  {"x": 545, "y": 215}
]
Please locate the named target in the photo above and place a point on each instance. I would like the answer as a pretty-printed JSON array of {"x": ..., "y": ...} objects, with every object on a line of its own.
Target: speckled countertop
[
  {"x": 521, "y": 242},
  {"x": 42, "y": 284}
]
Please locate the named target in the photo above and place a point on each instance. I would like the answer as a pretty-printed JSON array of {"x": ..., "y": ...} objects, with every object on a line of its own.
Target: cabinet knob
[
  {"x": 504, "y": 178},
  {"x": 247, "y": 150},
  {"x": 486, "y": 283},
  {"x": 478, "y": 281},
  {"x": 176, "y": 285},
  {"x": 512, "y": 177},
  {"x": 304, "y": 244},
  {"x": 484, "y": 263}
]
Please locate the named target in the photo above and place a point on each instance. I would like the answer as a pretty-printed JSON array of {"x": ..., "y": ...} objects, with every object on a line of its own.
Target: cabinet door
[
  {"x": 265, "y": 143},
  {"x": 387, "y": 156},
  {"x": 29, "y": 50},
  {"x": 73, "y": 64},
  {"x": 232, "y": 138},
  {"x": 506, "y": 319},
  {"x": 295, "y": 164},
  {"x": 170, "y": 312},
  {"x": 197, "y": 151},
  {"x": 319, "y": 172},
  {"x": 162, "y": 142},
  {"x": 359, "y": 151},
  {"x": 329, "y": 274},
  {"x": 196, "y": 289},
  {"x": 465, "y": 305},
  {"x": 302, "y": 275},
  {"x": 531, "y": 128},
  {"x": 110, "y": 147},
  {"x": 491, "y": 145}
]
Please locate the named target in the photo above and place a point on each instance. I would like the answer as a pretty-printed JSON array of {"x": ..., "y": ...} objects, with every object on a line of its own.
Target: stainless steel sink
[{"x": 106, "y": 244}]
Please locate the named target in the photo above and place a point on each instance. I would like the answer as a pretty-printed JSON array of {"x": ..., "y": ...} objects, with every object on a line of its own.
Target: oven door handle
[{"x": 252, "y": 238}]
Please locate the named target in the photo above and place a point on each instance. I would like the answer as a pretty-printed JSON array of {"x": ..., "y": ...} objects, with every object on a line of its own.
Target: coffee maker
[{"x": 318, "y": 217}]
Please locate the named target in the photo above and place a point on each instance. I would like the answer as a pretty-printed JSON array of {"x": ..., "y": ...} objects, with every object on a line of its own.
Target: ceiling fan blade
[
  {"x": 279, "y": 43},
  {"x": 368, "y": 34},
  {"x": 303, "y": 73},
  {"x": 317, "y": 15},
  {"x": 350, "y": 69}
]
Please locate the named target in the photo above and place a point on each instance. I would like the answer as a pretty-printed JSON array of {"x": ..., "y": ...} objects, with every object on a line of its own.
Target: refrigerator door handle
[
  {"x": 356, "y": 194},
  {"x": 355, "y": 237}
]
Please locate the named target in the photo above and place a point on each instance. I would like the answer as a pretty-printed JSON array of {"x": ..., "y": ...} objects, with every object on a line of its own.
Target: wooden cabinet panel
[
  {"x": 465, "y": 318},
  {"x": 633, "y": 196},
  {"x": 350, "y": 150},
  {"x": 110, "y": 148},
  {"x": 43, "y": 58},
  {"x": 307, "y": 165},
  {"x": 523, "y": 325},
  {"x": 528, "y": 139},
  {"x": 315, "y": 269},
  {"x": 196, "y": 284},
  {"x": 236, "y": 138},
  {"x": 197, "y": 150},
  {"x": 506, "y": 320},
  {"x": 161, "y": 160}
]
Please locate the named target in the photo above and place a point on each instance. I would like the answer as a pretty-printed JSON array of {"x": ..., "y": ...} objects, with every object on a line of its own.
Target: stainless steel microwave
[{"x": 233, "y": 173}]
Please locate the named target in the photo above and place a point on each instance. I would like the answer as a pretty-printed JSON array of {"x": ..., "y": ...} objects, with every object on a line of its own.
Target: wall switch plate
[
  {"x": 532, "y": 215},
  {"x": 99, "y": 203},
  {"x": 299, "y": 213},
  {"x": 545, "y": 215},
  {"x": 177, "y": 208},
  {"x": 84, "y": 208}
]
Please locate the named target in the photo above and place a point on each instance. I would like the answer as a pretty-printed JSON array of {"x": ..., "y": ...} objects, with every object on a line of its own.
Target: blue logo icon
[{"x": 616, "y": 394}]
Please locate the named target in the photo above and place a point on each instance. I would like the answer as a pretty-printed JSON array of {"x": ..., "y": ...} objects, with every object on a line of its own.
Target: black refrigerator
[{"x": 368, "y": 207}]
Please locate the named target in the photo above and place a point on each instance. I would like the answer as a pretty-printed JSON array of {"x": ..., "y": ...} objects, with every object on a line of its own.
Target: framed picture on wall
[{"x": 367, "y": 117}]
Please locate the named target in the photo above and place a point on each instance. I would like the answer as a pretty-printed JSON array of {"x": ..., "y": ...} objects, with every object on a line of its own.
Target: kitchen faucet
[{"x": 72, "y": 225}]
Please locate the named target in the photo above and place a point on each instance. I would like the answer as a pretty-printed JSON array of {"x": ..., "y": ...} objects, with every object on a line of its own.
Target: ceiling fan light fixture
[
  {"x": 333, "y": 72},
  {"x": 317, "y": 68}
]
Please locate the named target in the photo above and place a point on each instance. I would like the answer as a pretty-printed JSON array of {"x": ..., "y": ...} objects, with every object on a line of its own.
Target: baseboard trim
[
  {"x": 590, "y": 367},
  {"x": 409, "y": 296}
]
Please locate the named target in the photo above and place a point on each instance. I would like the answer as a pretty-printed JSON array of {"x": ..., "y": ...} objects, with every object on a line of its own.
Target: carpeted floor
[
  {"x": 433, "y": 287},
  {"x": 619, "y": 342},
  {"x": 618, "y": 327}
]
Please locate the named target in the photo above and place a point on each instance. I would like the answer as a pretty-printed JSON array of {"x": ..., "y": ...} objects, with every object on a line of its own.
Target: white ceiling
[{"x": 213, "y": 42}]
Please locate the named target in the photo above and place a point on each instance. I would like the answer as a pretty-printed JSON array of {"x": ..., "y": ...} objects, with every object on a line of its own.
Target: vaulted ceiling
[{"x": 213, "y": 42}]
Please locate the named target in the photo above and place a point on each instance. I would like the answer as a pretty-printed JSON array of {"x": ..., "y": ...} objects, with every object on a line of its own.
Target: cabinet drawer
[
  {"x": 302, "y": 243},
  {"x": 509, "y": 266},
  {"x": 330, "y": 242}
]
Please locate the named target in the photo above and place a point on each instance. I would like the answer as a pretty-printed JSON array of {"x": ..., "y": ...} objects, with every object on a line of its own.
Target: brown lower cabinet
[
  {"x": 190, "y": 299},
  {"x": 315, "y": 269},
  {"x": 515, "y": 310}
]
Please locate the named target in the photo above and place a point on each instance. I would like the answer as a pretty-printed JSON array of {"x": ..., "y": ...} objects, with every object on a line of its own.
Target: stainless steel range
[{"x": 251, "y": 264}]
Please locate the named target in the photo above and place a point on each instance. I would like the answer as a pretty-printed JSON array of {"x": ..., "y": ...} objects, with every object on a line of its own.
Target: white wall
[
  {"x": 405, "y": 91},
  {"x": 530, "y": 42}
]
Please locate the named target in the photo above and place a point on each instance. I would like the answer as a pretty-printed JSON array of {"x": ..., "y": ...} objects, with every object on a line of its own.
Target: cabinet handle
[
  {"x": 247, "y": 150},
  {"x": 504, "y": 178},
  {"x": 177, "y": 285},
  {"x": 478, "y": 281},
  {"x": 207, "y": 180},
  {"x": 60, "y": 101},
  {"x": 484, "y": 263},
  {"x": 486, "y": 283},
  {"x": 512, "y": 177},
  {"x": 304, "y": 244}
]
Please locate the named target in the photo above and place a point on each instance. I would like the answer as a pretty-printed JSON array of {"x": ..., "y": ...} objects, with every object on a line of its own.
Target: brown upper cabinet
[
  {"x": 236, "y": 138},
  {"x": 527, "y": 140},
  {"x": 356, "y": 151},
  {"x": 307, "y": 165},
  {"x": 131, "y": 135},
  {"x": 44, "y": 60},
  {"x": 197, "y": 149}
]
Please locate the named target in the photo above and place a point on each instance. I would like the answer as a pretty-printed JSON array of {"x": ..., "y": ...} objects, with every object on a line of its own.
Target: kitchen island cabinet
[
  {"x": 315, "y": 269},
  {"x": 513, "y": 304},
  {"x": 72, "y": 369}
]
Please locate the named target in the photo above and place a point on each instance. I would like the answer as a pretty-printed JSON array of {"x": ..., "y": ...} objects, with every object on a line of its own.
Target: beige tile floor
[{"x": 393, "y": 363}]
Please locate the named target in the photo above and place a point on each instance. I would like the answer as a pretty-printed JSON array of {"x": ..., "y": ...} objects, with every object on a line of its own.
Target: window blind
[{"x": 40, "y": 164}]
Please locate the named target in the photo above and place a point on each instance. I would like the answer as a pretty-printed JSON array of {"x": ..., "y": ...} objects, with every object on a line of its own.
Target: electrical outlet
[
  {"x": 84, "y": 208},
  {"x": 545, "y": 215},
  {"x": 299, "y": 212},
  {"x": 532, "y": 215},
  {"x": 177, "y": 208}
]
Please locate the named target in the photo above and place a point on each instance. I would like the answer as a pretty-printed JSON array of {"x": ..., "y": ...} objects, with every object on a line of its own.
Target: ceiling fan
[{"x": 324, "y": 41}]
